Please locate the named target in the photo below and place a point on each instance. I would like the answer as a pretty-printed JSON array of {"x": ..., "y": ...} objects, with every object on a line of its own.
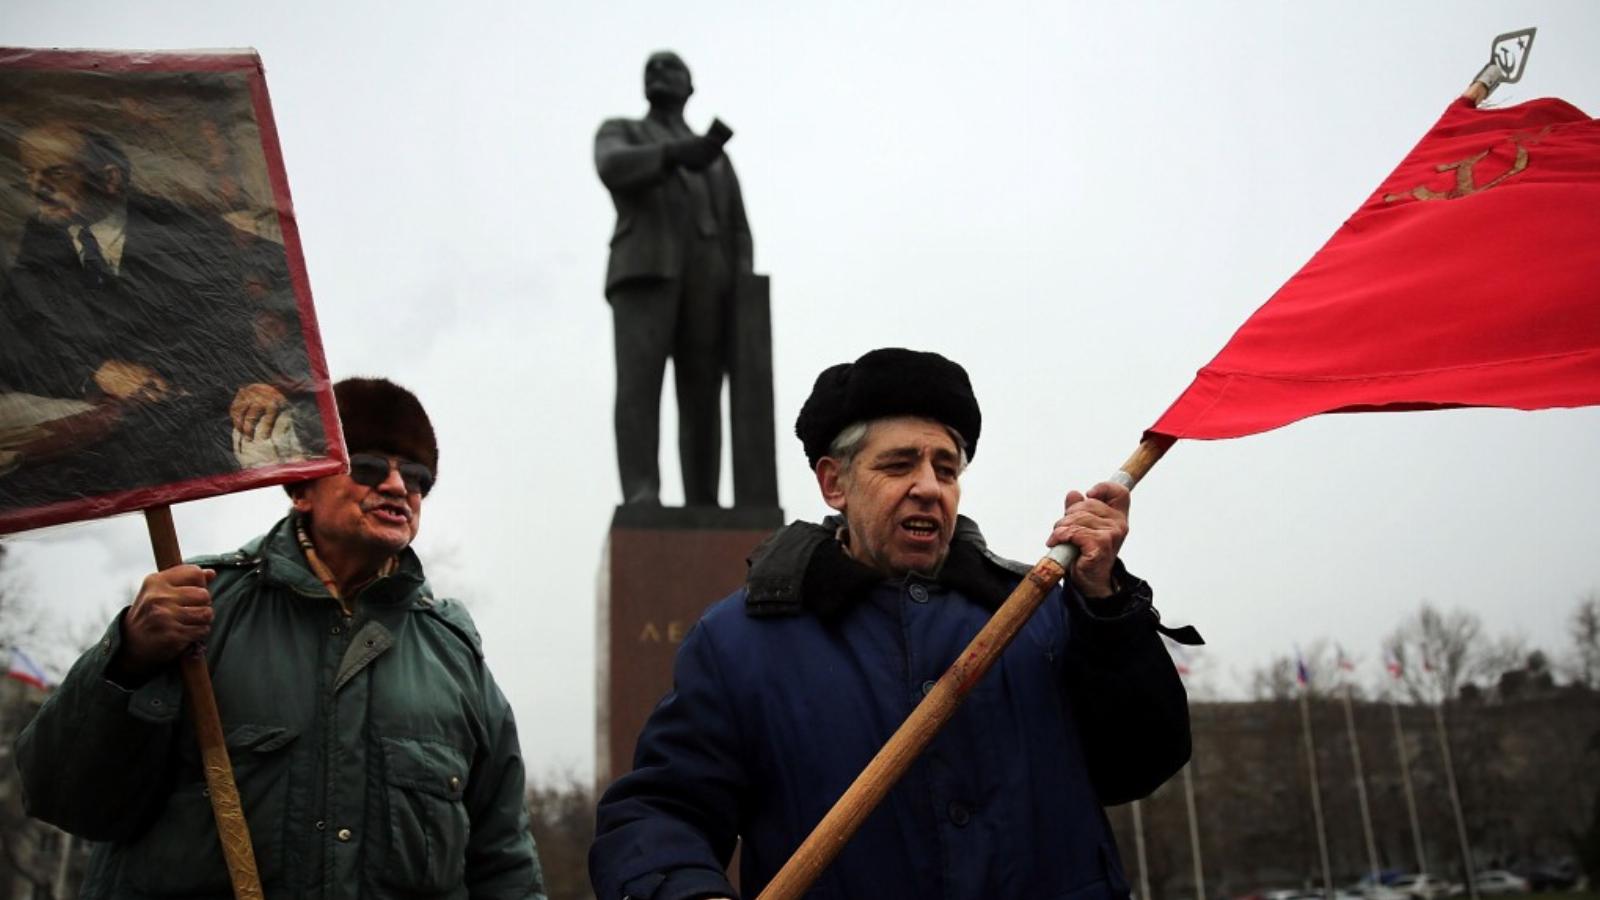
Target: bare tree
[
  {"x": 1279, "y": 678},
  {"x": 1587, "y": 842},
  {"x": 1274, "y": 680},
  {"x": 19, "y": 622},
  {"x": 1438, "y": 652},
  {"x": 50, "y": 639},
  {"x": 1502, "y": 655},
  {"x": 25, "y": 847},
  {"x": 561, "y": 811},
  {"x": 1584, "y": 628}
]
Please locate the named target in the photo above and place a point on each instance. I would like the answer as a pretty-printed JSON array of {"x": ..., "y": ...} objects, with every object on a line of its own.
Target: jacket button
[
  {"x": 919, "y": 593},
  {"x": 320, "y": 825},
  {"x": 959, "y": 814},
  {"x": 455, "y": 783},
  {"x": 927, "y": 688},
  {"x": 335, "y": 630},
  {"x": 344, "y": 834}
]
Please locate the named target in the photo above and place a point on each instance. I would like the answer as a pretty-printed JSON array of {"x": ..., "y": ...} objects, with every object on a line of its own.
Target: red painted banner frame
[{"x": 335, "y": 458}]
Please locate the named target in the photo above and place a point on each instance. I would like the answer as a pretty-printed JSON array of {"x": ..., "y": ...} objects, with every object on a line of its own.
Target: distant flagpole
[
  {"x": 1181, "y": 661},
  {"x": 1396, "y": 669},
  {"x": 1194, "y": 832},
  {"x": 1345, "y": 666},
  {"x": 1138, "y": 846},
  {"x": 1455, "y": 801},
  {"x": 1304, "y": 676},
  {"x": 1450, "y": 776}
]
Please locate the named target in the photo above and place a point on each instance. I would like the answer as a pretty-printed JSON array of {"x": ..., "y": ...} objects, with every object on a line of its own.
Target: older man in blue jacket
[{"x": 784, "y": 691}]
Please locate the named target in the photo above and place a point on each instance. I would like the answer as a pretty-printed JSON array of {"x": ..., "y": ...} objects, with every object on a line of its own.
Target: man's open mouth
[{"x": 392, "y": 513}]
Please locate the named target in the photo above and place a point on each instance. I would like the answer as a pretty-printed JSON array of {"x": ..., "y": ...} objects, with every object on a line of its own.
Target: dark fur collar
[{"x": 803, "y": 568}]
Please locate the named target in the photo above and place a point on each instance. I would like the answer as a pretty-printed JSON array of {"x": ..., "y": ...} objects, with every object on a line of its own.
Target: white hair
[{"x": 849, "y": 442}]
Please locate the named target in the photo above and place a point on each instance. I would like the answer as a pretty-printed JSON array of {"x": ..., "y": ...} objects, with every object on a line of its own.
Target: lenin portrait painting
[{"x": 157, "y": 340}]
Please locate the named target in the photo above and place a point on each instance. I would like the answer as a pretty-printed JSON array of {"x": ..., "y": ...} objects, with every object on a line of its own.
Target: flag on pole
[
  {"x": 1391, "y": 661},
  {"x": 1302, "y": 674},
  {"x": 1470, "y": 277},
  {"x": 1345, "y": 663},
  {"x": 24, "y": 669}
]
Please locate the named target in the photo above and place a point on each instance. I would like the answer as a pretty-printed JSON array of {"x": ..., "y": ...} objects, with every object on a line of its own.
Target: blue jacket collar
[{"x": 802, "y": 568}]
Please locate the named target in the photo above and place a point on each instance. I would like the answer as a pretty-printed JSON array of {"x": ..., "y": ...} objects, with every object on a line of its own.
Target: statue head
[{"x": 666, "y": 79}]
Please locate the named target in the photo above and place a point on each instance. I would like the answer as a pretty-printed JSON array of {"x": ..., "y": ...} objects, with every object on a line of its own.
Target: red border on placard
[
  {"x": 336, "y": 461},
  {"x": 289, "y": 226},
  {"x": 130, "y": 60}
]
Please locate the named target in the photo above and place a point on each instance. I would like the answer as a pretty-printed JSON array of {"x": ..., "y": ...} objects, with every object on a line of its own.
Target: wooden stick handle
[
  {"x": 232, "y": 829},
  {"x": 914, "y": 734}
]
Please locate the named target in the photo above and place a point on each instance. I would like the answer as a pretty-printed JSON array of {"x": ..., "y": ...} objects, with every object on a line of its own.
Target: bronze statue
[{"x": 678, "y": 255}]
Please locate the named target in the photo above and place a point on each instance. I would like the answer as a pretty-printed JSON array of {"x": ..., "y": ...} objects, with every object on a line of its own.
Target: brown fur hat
[{"x": 380, "y": 416}]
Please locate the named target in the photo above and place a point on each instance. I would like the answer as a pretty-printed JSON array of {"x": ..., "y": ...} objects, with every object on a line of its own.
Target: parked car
[
  {"x": 1560, "y": 875},
  {"x": 1423, "y": 886},
  {"x": 1371, "y": 888},
  {"x": 1499, "y": 881},
  {"x": 1292, "y": 894}
]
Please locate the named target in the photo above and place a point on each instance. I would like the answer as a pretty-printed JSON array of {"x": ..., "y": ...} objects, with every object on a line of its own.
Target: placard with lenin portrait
[{"x": 157, "y": 339}]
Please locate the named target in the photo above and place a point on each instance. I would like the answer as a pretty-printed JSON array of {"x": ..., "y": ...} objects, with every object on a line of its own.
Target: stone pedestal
[{"x": 661, "y": 569}]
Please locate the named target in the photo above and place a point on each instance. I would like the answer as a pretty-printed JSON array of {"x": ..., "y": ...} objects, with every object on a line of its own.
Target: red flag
[{"x": 1471, "y": 277}]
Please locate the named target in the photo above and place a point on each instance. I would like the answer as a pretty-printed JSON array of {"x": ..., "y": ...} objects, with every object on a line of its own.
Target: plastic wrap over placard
[{"x": 157, "y": 338}]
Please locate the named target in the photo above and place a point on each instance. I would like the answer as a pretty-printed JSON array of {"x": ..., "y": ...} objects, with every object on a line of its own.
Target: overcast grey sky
[{"x": 1078, "y": 202}]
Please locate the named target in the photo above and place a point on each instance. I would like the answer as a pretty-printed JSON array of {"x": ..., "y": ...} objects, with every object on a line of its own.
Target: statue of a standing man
[{"x": 680, "y": 242}]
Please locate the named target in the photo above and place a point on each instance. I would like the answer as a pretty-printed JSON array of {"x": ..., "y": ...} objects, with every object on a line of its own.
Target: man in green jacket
[{"x": 374, "y": 754}]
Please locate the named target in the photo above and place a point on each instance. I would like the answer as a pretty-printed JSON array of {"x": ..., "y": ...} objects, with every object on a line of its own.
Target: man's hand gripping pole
[{"x": 232, "y": 829}]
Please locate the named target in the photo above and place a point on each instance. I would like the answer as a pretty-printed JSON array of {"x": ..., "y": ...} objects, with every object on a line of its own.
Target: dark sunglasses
[{"x": 371, "y": 470}]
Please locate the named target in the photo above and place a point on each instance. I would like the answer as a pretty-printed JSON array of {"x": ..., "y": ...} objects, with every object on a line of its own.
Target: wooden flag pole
[
  {"x": 912, "y": 737},
  {"x": 232, "y": 829}
]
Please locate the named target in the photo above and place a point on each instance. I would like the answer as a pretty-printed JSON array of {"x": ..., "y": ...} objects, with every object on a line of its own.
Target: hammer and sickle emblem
[
  {"x": 1502, "y": 56},
  {"x": 1465, "y": 180}
]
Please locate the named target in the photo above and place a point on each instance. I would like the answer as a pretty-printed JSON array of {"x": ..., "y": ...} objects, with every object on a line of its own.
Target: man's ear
[
  {"x": 298, "y": 495},
  {"x": 830, "y": 478}
]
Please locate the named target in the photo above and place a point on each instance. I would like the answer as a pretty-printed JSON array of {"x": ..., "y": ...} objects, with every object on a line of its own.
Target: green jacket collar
[{"x": 278, "y": 557}]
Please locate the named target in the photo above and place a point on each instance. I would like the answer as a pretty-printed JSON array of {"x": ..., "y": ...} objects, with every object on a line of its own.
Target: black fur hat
[
  {"x": 381, "y": 416},
  {"x": 888, "y": 382}
]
